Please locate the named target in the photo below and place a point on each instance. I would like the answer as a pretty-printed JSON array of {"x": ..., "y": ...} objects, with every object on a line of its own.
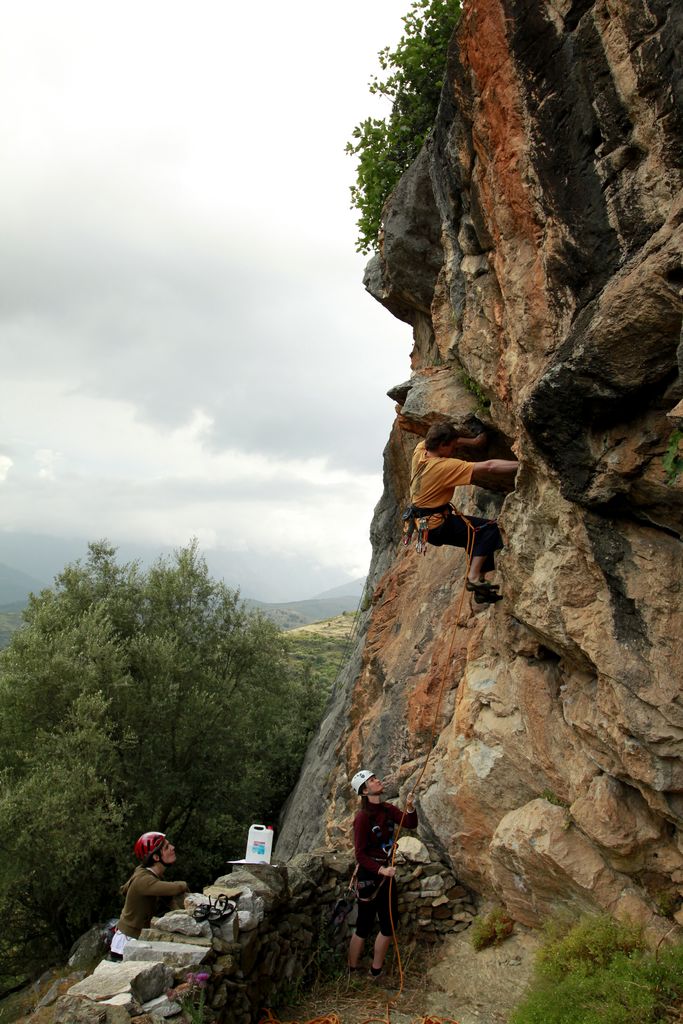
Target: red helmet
[{"x": 148, "y": 843}]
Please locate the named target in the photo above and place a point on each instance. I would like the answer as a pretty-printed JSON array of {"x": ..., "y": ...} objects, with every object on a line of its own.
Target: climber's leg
[
  {"x": 355, "y": 950},
  {"x": 477, "y": 568},
  {"x": 382, "y": 943}
]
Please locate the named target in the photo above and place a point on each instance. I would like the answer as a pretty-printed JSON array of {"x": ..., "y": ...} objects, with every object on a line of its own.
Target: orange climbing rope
[
  {"x": 333, "y": 1018},
  {"x": 471, "y": 535}
]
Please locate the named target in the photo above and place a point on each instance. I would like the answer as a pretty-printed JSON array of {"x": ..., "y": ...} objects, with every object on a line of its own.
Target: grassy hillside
[
  {"x": 322, "y": 646},
  {"x": 292, "y": 614}
]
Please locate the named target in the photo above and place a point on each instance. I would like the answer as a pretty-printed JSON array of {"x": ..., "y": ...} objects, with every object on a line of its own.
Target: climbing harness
[
  {"x": 355, "y": 887},
  {"x": 417, "y": 518}
]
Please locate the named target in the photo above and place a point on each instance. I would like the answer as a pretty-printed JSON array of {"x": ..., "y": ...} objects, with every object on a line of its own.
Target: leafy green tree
[
  {"x": 130, "y": 701},
  {"x": 386, "y": 147}
]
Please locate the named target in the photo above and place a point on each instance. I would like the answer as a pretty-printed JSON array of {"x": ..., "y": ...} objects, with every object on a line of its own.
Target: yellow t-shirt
[{"x": 433, "y": 480}]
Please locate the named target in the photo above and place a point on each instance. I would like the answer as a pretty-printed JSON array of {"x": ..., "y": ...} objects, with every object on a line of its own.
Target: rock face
[{"x": 535, "y": 247}]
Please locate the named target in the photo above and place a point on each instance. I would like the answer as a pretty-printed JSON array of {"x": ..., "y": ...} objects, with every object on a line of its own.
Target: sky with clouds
[{"x": 187, "y": 346}]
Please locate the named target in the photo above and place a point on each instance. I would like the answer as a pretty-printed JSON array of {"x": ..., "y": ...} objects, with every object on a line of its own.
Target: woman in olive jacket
[{"x": 144, "y": 888}]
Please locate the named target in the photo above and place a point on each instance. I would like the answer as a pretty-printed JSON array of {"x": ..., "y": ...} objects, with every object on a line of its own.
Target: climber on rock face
[
  {"x": 373, "y": 834},
  {"x": 435, "y": 474}
]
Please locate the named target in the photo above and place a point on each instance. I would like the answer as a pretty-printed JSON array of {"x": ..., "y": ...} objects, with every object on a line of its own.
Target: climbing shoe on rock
[{"x": 484, "y": 593}]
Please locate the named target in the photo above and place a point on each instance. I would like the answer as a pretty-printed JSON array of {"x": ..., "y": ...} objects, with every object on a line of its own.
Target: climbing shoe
[
  {"x": 484, "y": 593},
  {"x": 489, "y": 598}
]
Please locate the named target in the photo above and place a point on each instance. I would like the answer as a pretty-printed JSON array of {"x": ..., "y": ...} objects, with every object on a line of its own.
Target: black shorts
[
  {"x": 368, "y": 910},
  {"x": 454, "y": 531}
]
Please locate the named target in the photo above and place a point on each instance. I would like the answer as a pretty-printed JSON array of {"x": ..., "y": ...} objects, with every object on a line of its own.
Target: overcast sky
[{"x": 187, "y": 347}]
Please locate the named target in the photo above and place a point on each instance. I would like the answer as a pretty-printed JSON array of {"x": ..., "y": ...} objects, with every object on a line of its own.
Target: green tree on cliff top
[
  {"x": 129, "y": 701},
  {"x": 386, "y": 147}
]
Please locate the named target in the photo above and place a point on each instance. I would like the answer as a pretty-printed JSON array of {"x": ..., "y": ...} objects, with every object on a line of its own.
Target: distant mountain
[
  {"x": 354, "y": 588},
  {"x": 15, "y": 586},
  {"x": 256, "y": 574},
  {"x": 301, "y": 613}
]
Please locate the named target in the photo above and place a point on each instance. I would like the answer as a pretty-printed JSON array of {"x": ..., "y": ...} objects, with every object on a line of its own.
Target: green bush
[
  {"x": 673, "y": 459},
  {"x": 589, "y": 944},
  {"x": 130, "y": 701},
  {"x": 386, "y": 147},
  {"x": 476, "y": 390},
  {"x": 601, "y": 973},
  {"x": 492, "y": 929}
]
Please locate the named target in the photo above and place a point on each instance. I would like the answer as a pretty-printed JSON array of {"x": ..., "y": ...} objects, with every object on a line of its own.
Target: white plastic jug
[{"x": 259, "y": 844}]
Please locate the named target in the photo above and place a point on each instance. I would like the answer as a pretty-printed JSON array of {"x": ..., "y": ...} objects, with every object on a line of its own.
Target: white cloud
[
  {"x": 130, "y": 480},
  {"x": 48, "y": 461},
  {"x": 189, "y": 348},
  {"x": 5, "y": 465}
]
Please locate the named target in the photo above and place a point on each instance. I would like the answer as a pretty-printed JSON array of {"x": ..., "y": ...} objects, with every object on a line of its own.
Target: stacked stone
[
  {"x": 292, "y": 936},
  {"x": 430, "y": 900},
  {"x": 283, "y": 929}
]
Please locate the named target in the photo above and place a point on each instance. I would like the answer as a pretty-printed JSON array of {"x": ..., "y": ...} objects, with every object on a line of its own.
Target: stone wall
[{"x": 279, "y": 937}]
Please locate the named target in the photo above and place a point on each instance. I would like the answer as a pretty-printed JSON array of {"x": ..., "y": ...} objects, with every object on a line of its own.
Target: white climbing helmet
[{"x": 360, "y": 778}]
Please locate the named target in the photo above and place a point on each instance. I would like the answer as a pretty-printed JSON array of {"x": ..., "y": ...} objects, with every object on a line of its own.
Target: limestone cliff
[{"x": 535, "y": 247}]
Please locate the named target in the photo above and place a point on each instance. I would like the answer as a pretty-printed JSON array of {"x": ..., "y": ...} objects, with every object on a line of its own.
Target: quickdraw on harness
[
  {"x": 370, "y": 887},
  {"x": 355, "y": 888},
  {"x": 417, "y": 518}
]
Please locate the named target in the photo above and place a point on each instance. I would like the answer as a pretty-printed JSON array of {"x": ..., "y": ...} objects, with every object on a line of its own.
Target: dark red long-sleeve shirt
[{"x": 372, "y": 830}]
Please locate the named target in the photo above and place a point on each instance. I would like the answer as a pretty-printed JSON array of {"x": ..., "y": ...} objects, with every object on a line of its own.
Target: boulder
[
  {"x": 154, "y": 935},
  {"x": 539, "y": 859},
  {"x": 125, "y": 1000},
  {"x": 183, "y": 923},
  {"x": 90, "y": 946},
  {"x": 162, "y": 1007},
  {"x": 74, "y": 1009},
  {"x": 145, "y": 979},
  {"x": 413, "y": 850},
  {"x": 265, "y": 880},
  {"x": 176, "y": 954},
  {"x": 247, "y": 921}
]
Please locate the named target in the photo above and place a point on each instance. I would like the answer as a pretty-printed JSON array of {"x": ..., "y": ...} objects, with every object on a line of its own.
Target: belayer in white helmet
[
  {"x": 360, "y": 778},
  {"x": 373, "y": 834}
]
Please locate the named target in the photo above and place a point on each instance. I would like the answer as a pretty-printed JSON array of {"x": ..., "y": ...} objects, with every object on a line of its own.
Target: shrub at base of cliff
[
  {"x": 673, "y": 459},
  {"x": 386, "y": 148},
  {"x": 601, "y": 973},
  {"x": 491, "y": 929},
  {"x": 132, "y": 700}
]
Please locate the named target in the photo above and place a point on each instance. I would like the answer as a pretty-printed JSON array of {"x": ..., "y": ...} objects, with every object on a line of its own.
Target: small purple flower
[{"x": 200, "y": 979}]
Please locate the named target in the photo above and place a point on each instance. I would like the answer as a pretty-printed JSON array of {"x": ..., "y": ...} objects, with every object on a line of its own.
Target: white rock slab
[
  {"x": 124, "y": 999},
  {"x": 183, "y": 923},
  {"x": 175, "y": 954},
  {"x": 110, "y": 979},
  {"x": 413, "y": 850},
  {"x": 162, "y": 1007}
]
